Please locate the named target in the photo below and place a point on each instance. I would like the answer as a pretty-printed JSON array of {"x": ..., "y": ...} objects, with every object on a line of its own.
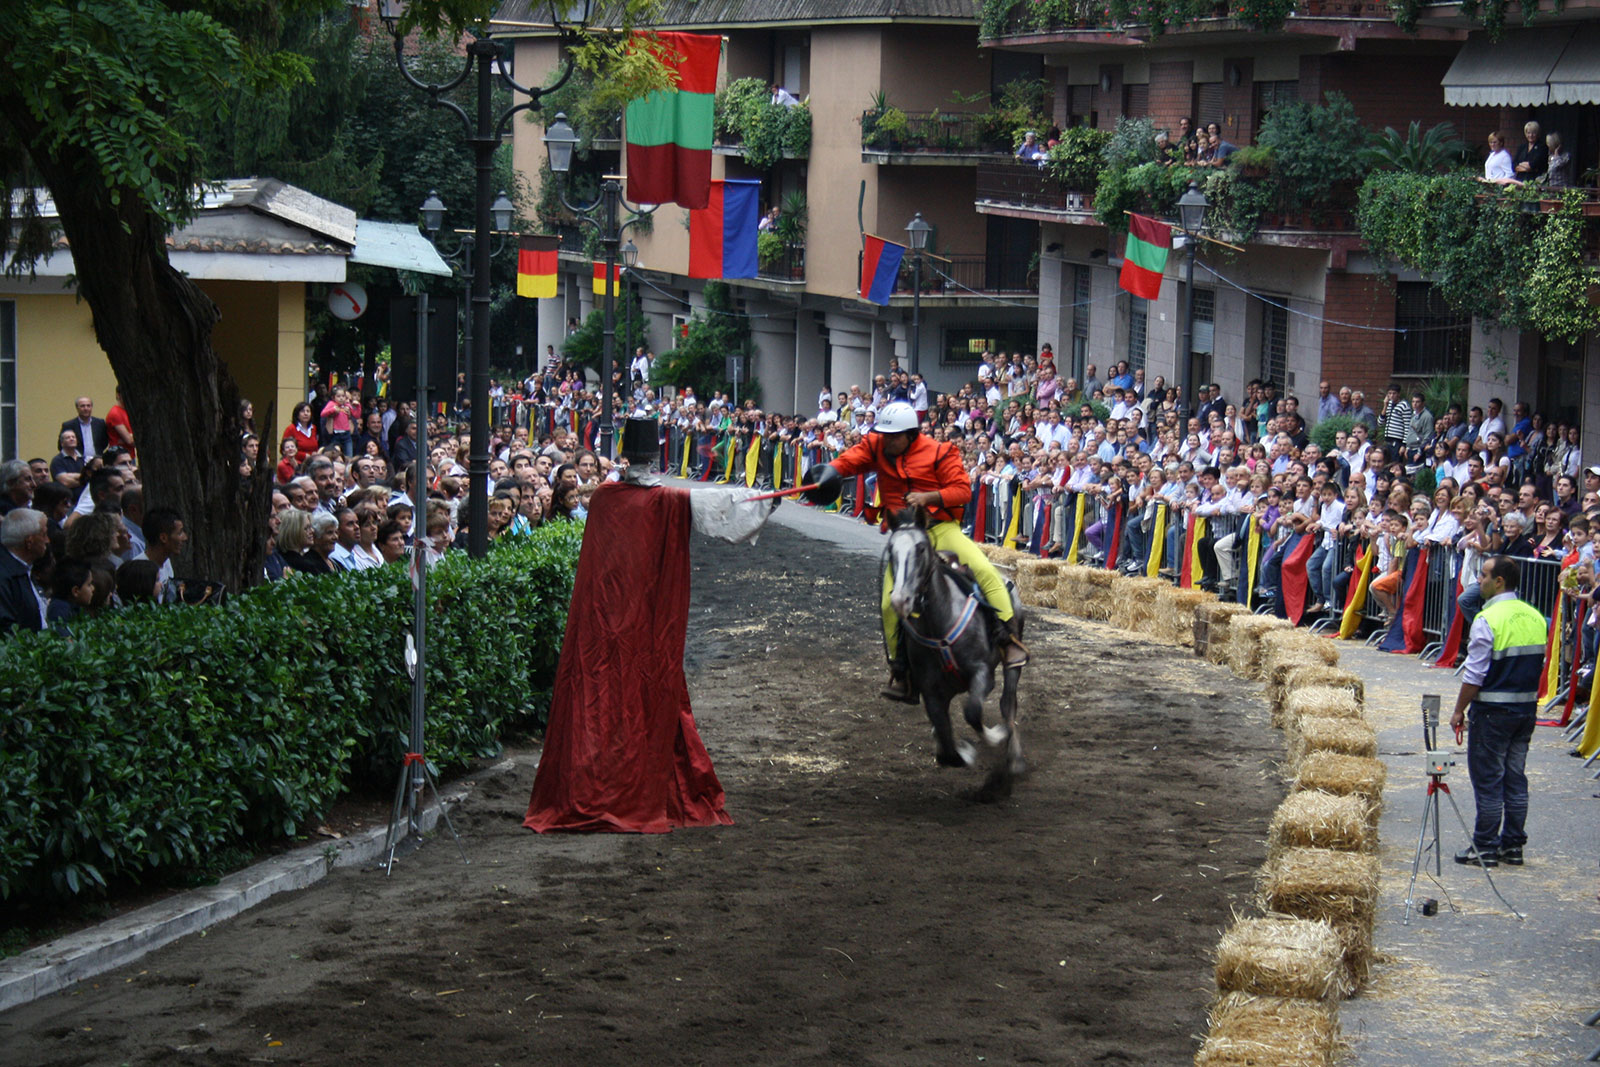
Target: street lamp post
[
  {"x": 630, "y": 259},
  {"x": 917, "y": 231},
  {"x": 433, "y": 211},
  {"x": 484, "y": 131},
  {"x": 603, "y": 214},
  {"x": 1191, "y": 216}
]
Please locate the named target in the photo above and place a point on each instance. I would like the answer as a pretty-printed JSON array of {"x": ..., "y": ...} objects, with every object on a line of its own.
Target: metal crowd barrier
[
  {"x": 1438, "y": 598},
  {"x": 1541, "y": 583}
]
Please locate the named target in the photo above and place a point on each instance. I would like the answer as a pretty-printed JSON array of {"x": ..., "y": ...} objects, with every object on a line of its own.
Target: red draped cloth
[{"x": 622, "y": 754}]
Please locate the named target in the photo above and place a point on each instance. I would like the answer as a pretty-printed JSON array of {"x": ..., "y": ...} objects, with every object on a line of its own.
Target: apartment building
[
  {"x": 844, "y": 60},
  {"x": 1303, "y": 301}
]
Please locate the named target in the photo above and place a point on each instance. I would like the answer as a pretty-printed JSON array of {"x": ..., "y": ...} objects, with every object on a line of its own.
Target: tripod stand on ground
[{"x": 1439, "y": 763}]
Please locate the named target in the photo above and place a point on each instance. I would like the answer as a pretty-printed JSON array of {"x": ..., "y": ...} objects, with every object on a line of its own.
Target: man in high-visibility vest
[
  {"x": 1498, "y": 704},
  {"x": 914, "y": 470}
]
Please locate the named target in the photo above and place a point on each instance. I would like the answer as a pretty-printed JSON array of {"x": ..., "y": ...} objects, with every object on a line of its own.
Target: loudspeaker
[{"x": 442, "y": 336}]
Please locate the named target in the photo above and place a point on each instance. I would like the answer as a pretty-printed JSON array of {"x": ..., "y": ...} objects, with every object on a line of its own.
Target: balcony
[
  {"x": 960, "y": 274},
  {"x": 1015, "y": 184},
  {"x": 789, "y": 265},
  {"x": 937, "y": 138},
  {"x": 1121, "y": 22}
]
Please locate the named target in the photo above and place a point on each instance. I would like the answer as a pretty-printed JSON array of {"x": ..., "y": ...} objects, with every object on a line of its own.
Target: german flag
[
  {"x": 536, "y": 266},
  {"x": 600, "y": 279}
]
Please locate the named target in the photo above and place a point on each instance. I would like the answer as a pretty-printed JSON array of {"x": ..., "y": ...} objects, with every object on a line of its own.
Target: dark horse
[{"x": 949, "y": 638}]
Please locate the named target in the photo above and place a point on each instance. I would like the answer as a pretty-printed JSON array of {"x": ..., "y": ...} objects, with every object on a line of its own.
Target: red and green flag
[
  {"x": 1144, "y": 259},
  {"x": 669, "y": 131}
]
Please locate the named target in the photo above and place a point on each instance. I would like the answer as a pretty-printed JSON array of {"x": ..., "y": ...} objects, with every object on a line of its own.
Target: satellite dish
[{"x": 347, "y": 301}]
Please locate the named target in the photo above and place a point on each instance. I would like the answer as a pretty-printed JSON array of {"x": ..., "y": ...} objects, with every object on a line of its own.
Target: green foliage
[
  {"x": 1315, "y": 147},
  {"x": 1324, "y": 432},
  {"x": 1132, "y": 142},
  {"x": 586, "y": 344},
  {"x": 697, "y": 361},
  {"x": 1024, "y": 105},
  {"x": 745, "y": 115},
  {"x": 883, "y": 125},
  {"x": 1417, "y": 151},
  {"x": 154, "y": 737},
  {"x": 1424, "y": 481},
  {"x": 1491, "y": 251},
  {"x": 1076, "y": 159},
  {"x": 1441, "y": 390},
  {"x": 1149, "y": 189},
  {"x": 1266, "y": 15}
]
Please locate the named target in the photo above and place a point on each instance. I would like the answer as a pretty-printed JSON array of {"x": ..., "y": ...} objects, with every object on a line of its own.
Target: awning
[
  {"x": 1511, "y": 72},
  {"x": 396, "y": 244},
  {"x": 1576, "y": 77}
]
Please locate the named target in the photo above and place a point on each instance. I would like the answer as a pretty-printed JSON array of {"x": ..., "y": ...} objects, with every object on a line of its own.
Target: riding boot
[
  {"x": 1013, "y": 653},
  {"x": 899, "y": 687}
]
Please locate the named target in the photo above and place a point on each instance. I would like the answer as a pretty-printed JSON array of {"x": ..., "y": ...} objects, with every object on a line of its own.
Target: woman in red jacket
[{"x": 303, "y": 429}]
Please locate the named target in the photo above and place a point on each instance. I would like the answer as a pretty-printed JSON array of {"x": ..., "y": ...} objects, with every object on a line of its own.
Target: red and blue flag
[
  {"x": 722, "y": 235},
  {"x": 880, "y": 265}
]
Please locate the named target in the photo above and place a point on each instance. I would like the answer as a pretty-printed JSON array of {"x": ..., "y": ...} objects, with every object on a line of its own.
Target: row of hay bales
[{"x": 1279, "y": 976}]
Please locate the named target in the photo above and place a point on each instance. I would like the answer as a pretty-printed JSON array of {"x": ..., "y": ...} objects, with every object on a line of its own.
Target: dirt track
[{"x": 863, "y": 909}]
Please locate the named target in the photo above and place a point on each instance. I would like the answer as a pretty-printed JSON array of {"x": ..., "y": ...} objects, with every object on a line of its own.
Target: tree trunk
[{"x": 155, "y": 326}]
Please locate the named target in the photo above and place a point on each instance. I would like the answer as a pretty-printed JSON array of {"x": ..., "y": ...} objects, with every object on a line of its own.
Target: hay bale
[
  {"x": 1134, "y": 603},
  {"x": 1339, "y": 888},
  {"x": 1244, "y": 642},
  {"x": 1348, "y": 737},
  {"x": 1095, "y": 595},
  {"x": 1211, "y": 618},
  {"x": 1298, "y": 643},
  {"x": 1276, "y": 674},
  {"x": 1305, "y": 675},
  {"x": 1315, "y": 702},
  {"x": 1313, "y": 819},
  {"x": 1070, "y": 589},
  {"x": 1274, "y": 957},
  {"x": 1343, "y": 776},
  {"x": 1035, "y": 576},
  {"x": 1175, "y": 610},
  {"x": 1044, "y": 599},
  {"x": 1252, "y": 1031}
]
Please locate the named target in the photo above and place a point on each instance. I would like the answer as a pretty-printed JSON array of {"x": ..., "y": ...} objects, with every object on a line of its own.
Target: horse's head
[{"x": 911, "y": 558}]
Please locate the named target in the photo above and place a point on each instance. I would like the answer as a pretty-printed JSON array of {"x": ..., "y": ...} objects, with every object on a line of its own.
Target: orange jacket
[{"x": 927, "y": 466}]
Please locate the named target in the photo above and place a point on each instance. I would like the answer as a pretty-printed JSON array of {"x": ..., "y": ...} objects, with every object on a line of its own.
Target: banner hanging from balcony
[
  {"x": 722, "y": 235},
  {"x": 880, "y": 265},
  {"x": 600, "y": 279},
  {"x": 536, "y": 266},
  {"x": 669, "y": 132},
  {"x": 1144, "y": 259}
]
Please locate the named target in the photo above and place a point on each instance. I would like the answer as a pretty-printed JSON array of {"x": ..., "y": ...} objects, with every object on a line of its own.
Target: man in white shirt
[
  {"x": 1494, "y": 423},
  {"x": 919, "y": 397},
  {"x": 639, "y": 366},
  {"x": 827, "y": 414}
]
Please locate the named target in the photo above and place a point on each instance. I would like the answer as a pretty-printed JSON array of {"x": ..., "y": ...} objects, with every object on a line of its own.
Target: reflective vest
[{"x": 1517, "y": 660}]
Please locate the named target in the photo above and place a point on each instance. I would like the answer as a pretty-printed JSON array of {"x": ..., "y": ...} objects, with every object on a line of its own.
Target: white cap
[{"x": 896, "y": 417}]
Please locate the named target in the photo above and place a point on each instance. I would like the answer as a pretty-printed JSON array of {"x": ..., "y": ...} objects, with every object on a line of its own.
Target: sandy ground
[{"x": 864, "y": 909}]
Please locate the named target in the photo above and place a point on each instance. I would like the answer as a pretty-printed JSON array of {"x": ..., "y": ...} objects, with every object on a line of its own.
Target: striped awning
[
  {"x": 1512, "y": 72},
  {"x": 1576, "y": 77}
]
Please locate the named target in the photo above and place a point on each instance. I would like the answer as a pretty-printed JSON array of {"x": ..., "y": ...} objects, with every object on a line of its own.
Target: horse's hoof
[
  {"x": 996, "y": 735},
  {"x": 965, "y": 749},
  {"x": 1017, "y": 766},
  {"x": 949, "y": 759}
]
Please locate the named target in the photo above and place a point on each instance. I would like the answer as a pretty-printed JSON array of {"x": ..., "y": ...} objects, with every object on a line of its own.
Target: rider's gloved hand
[{"x": 829, "y": 484}]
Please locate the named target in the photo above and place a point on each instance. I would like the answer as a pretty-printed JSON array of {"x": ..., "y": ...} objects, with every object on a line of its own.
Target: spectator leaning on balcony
[
  {"x": 1498, "y": 168},
  {"x": 1030, "y": 150},
  {"x": 1558, "y": 173},
  {"x": 1533, "y": 158}
]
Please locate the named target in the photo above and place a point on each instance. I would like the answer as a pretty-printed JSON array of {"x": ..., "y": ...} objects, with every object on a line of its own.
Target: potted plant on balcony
[
  {"x": 1252, "y": 161},
  {"x": 884, "y": 125}
]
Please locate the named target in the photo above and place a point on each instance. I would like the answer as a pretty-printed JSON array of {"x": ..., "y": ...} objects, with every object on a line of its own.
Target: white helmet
[{"x": 897, "y": 417}]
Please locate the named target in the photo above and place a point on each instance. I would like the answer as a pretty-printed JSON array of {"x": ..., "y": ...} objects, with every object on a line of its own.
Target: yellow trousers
[{"x": 947, "y": 537}]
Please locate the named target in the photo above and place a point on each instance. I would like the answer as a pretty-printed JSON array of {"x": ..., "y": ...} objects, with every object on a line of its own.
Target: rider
[{"x": 917, "y": 471}]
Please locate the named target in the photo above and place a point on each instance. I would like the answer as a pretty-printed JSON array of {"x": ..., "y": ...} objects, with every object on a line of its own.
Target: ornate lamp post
[
  {"x": 1191, "y": 216},
  {"x": 917, "y": 231},
  {"x": 603, "y": 214},
  {"x": 483, "y": 130},
  {"x": 433, "y": 212}
]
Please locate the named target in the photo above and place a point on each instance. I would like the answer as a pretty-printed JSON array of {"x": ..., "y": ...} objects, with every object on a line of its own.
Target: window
[
  {"x": 1138, "y": 331},
  {"x": 1207, "y": 104},
  {"x": 1432, "y": 339},
  {"x": 1202, "y": 342},
  {"x": 1080, "y": 320},
  {"x": 8, "y": 379},
  {"x": 1080, "y": 106},
  {"x": 1274, "y": 342},
  {"x": 1270, "y": 94},
  {"x": 965, "y": 345},
  {"x": 1136, "y": 101}
]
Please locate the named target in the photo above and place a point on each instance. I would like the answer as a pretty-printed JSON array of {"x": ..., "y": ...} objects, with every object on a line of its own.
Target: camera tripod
[{"x": 1439, "y": 763}]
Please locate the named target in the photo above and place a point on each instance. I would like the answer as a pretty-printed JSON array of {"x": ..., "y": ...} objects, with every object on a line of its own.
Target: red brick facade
[
  {"x": 1171, "y": 94},
  {"x": 1361, "y": 359},
  {"x": 1238, "y": 101}
]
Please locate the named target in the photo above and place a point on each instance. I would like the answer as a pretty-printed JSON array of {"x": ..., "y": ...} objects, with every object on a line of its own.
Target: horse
[{"x": 949, "y": 639}]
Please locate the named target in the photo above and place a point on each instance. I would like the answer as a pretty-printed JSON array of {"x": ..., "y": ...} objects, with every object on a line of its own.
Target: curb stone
[{"x": 66, "y": 961}]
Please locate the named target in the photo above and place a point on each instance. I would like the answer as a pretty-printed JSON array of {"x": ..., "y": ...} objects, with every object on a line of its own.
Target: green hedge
[{"x": 155, "y": 736}]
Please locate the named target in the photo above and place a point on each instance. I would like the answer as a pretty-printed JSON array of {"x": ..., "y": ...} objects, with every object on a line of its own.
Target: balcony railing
[
  {"x": 787, "y": 266},
  {"x": 1023, "y": 18},
  {"x": 961, "y": 272},
  {"x": 1027, "y": 185},
  {"x": 933, "y": 132}
]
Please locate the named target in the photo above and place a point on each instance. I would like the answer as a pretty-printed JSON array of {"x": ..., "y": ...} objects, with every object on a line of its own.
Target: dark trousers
[{"x": 1497, "y": 754}]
